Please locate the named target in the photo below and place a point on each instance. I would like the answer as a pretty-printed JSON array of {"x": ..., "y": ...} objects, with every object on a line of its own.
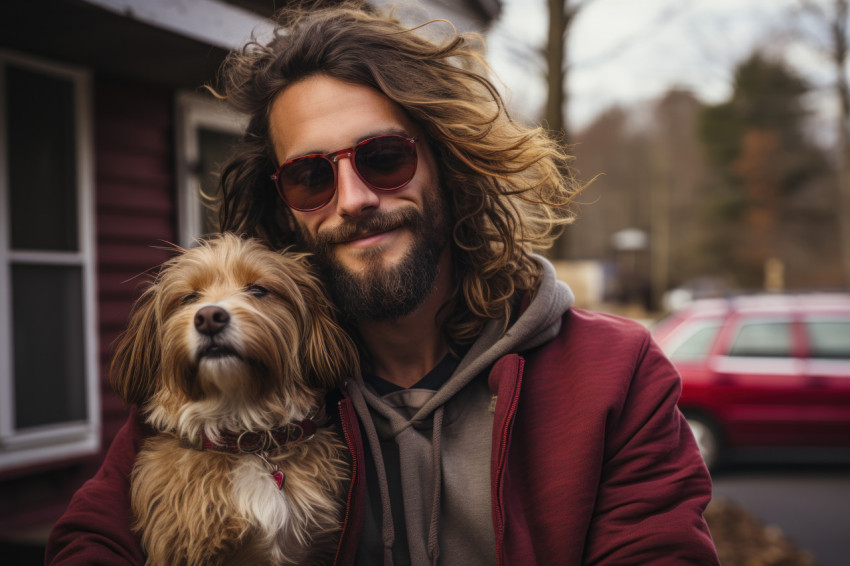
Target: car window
[
  {"x": 696, "y": 346},
  {"x": 762, "y": 339},
  {"x": 829, "y": 338}
]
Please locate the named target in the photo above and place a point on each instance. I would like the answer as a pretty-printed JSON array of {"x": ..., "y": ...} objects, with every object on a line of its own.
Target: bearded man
[{"x": 492, "y": 423}]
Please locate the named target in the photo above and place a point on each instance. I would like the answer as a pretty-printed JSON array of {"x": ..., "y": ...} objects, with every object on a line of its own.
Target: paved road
[{"x": 809, "y": 502}]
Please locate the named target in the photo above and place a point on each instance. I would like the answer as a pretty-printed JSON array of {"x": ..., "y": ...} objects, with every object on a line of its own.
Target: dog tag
[
  {"x": 274, "y": 470},
  {"x": 278, "y": 478}
]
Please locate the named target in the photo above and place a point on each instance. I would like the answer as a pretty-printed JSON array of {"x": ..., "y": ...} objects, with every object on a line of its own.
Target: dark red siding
[
  {"x": 135, "y": 214},
  {"x": 136, "y": 210}
]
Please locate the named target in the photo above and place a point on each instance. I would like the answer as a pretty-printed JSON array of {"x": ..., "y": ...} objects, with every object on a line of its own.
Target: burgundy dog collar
[{"x": 254, "y": 442}]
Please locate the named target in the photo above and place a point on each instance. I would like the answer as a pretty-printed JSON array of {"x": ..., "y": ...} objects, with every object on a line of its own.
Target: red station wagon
[{"x": 763, "y": 371}]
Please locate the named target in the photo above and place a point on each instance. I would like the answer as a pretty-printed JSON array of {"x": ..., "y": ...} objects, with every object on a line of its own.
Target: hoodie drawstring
[
  {"x": 434, "y": 525},
  {"x": 387, "y": 528},
  {"x": 387, "y": 525}
]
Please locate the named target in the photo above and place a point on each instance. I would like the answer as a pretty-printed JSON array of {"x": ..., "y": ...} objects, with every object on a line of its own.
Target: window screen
[
  {"x": 42, "y": 161},
  {"x": 48, "y": 342},
  {"x": 214, "y": 147}
]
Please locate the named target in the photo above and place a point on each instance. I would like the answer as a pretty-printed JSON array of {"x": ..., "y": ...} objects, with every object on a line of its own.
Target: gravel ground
[{"x": 742, "y": 540}]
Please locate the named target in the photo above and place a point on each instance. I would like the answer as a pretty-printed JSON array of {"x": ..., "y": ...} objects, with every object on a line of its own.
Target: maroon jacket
[{"x": 592, "y": 463}]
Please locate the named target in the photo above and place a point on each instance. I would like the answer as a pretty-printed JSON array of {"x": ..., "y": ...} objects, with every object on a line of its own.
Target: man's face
[{"x": 380, "y": 250}]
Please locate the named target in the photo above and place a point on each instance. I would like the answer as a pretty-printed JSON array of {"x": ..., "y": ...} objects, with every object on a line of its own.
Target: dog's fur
[{"x": 271, "y": 364}]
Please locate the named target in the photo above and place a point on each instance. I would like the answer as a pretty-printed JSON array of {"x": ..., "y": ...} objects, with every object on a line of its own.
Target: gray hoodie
[{"x": 433, "y": 447}]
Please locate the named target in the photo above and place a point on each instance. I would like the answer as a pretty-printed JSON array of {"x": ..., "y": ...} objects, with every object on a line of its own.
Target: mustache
[{"x": 373, "y": 223}]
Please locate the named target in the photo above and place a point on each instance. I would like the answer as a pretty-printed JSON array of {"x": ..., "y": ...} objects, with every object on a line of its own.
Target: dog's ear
[
  {"x": 328, "y": 350},
  {"x": 135, "y": 365}
]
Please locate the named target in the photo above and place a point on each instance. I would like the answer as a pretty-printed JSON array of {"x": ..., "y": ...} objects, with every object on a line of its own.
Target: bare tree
[
  {"x": 562, "y": 14},
  {"x": 832, "y": 18}
]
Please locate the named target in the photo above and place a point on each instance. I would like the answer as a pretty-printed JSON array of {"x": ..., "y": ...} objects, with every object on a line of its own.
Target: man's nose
[{"x": 353, "y": 196}]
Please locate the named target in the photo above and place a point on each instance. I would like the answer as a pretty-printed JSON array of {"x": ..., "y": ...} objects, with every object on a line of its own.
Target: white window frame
[
  {"x": 61, "y": 441},
  {"x": 195, "y": 111}
]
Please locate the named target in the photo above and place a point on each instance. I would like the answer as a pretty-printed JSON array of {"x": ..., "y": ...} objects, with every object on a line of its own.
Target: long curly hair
[{"x": 508, "y": 187}]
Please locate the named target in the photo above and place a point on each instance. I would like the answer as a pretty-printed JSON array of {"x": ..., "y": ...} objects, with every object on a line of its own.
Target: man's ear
[{"x": 136, "y": 364}]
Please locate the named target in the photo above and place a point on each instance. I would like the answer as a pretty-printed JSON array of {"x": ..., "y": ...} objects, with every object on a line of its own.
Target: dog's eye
[
  {"x": 257, "y": 290},
  {"x": 188, "y": 299}
]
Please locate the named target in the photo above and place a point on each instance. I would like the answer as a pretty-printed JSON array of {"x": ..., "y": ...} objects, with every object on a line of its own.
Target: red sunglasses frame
[{"x": 334, "y": 156}]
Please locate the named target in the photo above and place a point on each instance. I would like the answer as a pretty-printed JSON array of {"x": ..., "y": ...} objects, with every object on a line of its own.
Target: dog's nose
[{"x": 211, "y": 320}]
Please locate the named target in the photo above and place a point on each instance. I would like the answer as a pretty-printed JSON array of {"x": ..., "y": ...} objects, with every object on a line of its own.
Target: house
[{"x": 105, "y": 139}]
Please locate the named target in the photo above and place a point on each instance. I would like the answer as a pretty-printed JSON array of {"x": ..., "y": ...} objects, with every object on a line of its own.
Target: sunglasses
[{"x": 384, "y": 163}]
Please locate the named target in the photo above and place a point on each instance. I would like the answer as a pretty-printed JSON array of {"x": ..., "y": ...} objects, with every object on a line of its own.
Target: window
[
  {"x": 763, "y": 339},
  {"x": 49, "y": 405},
  {"x": 829, "y": 338},
  {"x": 697, "y": 344},
  {"x": 208, "y": 131}
]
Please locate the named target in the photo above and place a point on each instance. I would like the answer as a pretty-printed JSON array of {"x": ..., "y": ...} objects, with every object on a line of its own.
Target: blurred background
[
  {"x": 713, "y": 132},
  {"x": 713, "y": 135}
]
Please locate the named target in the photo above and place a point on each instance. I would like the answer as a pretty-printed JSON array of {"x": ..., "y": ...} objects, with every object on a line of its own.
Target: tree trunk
[
  {"x": 561, "y": 15},
  {"x": 556, "y": 69},
  {"x": 839, "y": 39}
]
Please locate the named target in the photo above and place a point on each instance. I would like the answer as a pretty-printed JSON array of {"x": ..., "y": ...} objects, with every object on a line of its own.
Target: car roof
[{"x": 814, "y": 303}]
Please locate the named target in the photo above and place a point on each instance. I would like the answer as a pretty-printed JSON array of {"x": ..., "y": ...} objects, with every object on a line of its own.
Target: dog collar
[{"x": 254, "y": 442}]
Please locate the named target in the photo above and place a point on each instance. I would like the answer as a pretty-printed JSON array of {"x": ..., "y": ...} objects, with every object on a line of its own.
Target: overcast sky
[{"x": 629, "y": 51}]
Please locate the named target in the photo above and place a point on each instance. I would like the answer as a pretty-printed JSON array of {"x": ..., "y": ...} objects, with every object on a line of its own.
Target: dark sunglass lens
[
  {"x": 307, "y": 183},
  {"x": 386, "y": 162}
]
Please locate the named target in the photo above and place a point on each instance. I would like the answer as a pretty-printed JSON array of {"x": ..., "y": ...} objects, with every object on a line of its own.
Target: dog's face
[{"x": 231, "y": 324}]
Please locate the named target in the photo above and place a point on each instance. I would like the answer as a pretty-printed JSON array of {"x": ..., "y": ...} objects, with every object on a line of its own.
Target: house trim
[
  {"x": 195, "y": 111},
  {"x": 210, "y": 21}
]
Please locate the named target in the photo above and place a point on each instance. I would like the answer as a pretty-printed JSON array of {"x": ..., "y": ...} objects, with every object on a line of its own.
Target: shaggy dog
[{"x": 228, "y": 356}]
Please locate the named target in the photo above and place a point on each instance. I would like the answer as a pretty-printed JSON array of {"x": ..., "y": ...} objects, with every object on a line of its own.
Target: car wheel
[{"x": 708, "y": 440}]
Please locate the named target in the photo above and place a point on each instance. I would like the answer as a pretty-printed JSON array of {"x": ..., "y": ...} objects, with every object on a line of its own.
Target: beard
[{"x": 380, "y": 292}]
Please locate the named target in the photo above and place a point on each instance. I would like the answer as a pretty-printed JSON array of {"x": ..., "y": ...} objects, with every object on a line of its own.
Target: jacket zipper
[
  {"x": 503, "y": 457},
  {"x": 344, "y": 421}
]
